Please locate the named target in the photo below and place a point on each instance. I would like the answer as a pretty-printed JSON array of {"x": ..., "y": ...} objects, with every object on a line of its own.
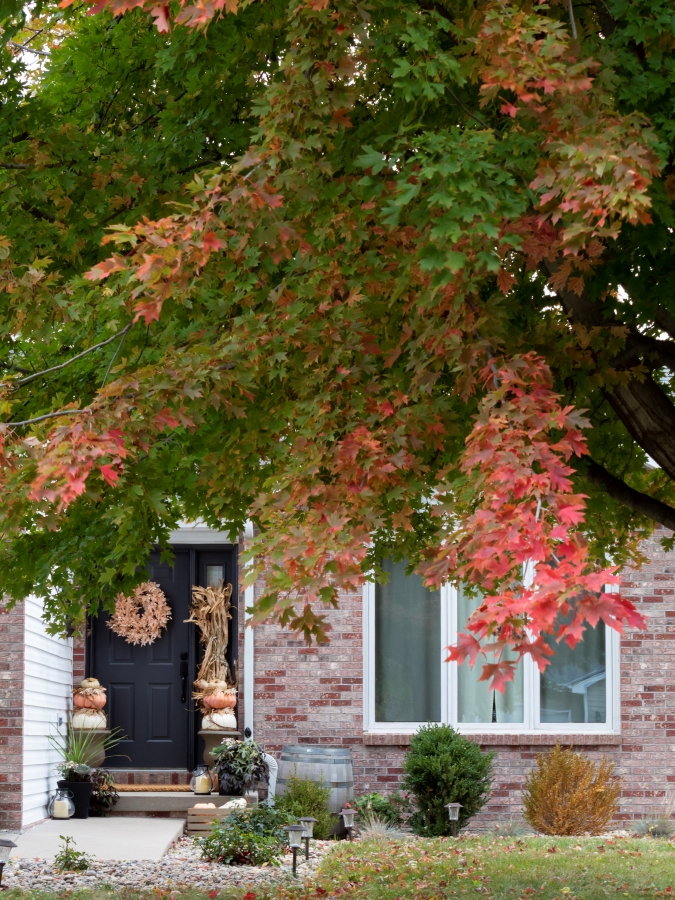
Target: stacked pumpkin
[
  {"x": 89, "y": 699},
  {"x": 218, "y": 700}
]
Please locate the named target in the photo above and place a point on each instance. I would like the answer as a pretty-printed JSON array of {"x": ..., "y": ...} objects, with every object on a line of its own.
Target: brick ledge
[{"x": 494, "y": 739}]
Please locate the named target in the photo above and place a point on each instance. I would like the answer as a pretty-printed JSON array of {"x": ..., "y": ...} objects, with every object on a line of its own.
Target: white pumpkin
[
  {"x": 218, "y": 719},
  {"x": 90, "y": 719},
  {"x": 237, "y": 803}
]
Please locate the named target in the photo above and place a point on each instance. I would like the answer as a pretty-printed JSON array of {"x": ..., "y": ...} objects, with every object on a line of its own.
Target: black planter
[
  {"x": 233, "y": 793},
  {"x": 81, "y": 791}
]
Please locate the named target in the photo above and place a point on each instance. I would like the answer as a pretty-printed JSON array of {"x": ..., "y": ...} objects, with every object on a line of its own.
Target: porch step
[
  {"x": 139, "y": 803},
  {"x": 152, "y": 776}
]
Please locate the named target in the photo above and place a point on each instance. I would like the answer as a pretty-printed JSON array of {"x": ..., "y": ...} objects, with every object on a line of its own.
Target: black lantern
[
  {"x": 5, "y": 848},
  {"x": 453, "y": 814},
  {"x": 348, "y": 818},
  {"x": 307, "y": 823},
  {"x": 295, "y": 833}
]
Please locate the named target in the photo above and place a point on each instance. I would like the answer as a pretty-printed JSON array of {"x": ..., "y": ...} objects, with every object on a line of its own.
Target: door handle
[{"x": 183, "y": 677}]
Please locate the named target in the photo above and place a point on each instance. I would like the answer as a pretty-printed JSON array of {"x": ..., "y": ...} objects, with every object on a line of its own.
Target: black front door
[{"x": 150, "y": 688}]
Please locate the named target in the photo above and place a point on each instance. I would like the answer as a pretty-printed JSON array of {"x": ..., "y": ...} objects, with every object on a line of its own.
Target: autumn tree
[{"x": 386, "y": 277}]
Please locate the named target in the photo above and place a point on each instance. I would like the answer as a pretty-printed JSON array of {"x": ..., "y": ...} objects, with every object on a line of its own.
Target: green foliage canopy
[{"x": 304, "y": 334}]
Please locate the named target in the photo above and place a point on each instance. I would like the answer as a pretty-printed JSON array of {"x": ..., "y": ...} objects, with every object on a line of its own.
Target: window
[{"x": 407, "y": 682}]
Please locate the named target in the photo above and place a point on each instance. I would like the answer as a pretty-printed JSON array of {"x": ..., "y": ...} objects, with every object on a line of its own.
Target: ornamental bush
[
  {"x": 443, "y": 767},
  {"x": 304, "y": 797},
  {"x": 567, "y": 794},
  {"x": 250, "y": 837},
  {"x": 387, "y": 807}
]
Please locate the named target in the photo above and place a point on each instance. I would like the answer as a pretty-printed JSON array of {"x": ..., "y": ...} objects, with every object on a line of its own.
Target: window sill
[{"x": 497, "y": 739}]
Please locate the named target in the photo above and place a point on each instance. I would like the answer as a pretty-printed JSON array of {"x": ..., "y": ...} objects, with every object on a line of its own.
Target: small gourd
[
  {"x": 217, "y": 695},
  {"x": 89, "y": 695}
]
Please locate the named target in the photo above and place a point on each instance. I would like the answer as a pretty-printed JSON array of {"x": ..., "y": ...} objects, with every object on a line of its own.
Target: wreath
[{"x": 139, "y": 619}]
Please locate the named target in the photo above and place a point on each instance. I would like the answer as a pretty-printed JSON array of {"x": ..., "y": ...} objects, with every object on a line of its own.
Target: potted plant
[
  {"x": 77, "y": 750},
  {"x": 239, "y": 765}
]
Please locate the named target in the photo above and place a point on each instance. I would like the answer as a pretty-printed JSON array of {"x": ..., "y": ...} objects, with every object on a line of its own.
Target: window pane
[
  {"x": 574, "y": 686},
  {"x": 475, "y": 703},
  {"x": 407, "y": 648},
  {"x": 214, "y": 575}
]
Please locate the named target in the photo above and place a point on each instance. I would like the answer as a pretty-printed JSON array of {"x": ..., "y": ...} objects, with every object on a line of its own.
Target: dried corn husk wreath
[
  {"x": 140, "y": 619},
  {"x": 210, "y": 612}
]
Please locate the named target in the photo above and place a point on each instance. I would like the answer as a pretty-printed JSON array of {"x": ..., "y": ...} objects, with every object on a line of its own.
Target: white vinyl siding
[{"x": 47, "y": 702}]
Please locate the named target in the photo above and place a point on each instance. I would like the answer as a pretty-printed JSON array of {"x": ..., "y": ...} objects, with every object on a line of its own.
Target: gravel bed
[{"x": 181, "y": 867}]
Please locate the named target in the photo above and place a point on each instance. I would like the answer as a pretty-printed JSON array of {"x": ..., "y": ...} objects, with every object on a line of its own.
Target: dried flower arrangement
[
  {"x": 140, "y": 619},
  {"x": 210, "y": 612}
]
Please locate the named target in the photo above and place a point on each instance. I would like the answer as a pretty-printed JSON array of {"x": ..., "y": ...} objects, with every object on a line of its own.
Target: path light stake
[
  {"x": 308, "y": 824},
  {"x": 453, "y": 813},
  {"x": 5, "y": 847},
  {"x": 295, "y": 833},
  {"x": 348, "y": 817}
]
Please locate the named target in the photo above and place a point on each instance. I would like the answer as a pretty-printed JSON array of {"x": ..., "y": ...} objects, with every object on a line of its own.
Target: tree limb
[
  {"x": 61, "y": 412},
  {"x": 6, "y": 365},
  {"x": 665, "y": 321},
  {"x": 39, "y": 214},
  {"x": 642, "y": 405},
  {"x": 640, "y": 503},
  {"x": 18, "y": 384},
  {"x": 17, "y": 46}
]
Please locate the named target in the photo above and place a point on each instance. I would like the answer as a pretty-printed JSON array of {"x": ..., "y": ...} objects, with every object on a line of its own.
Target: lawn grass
[
  {"x": 416, "y": 869},
  {"x": 527, "y": 868}
]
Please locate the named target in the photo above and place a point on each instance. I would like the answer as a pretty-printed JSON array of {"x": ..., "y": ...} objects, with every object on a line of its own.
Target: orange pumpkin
[
  {"x": 220, "y": 700},
  {"x": 92, "y": 701}
]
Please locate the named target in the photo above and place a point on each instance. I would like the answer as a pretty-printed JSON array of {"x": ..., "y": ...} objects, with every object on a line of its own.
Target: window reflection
[
  {"x": 214, "y": 575},
  {"x": 574, "y": 684},
  {"x": 475, "y": 702},
  {"x": 407, "y": 648}
]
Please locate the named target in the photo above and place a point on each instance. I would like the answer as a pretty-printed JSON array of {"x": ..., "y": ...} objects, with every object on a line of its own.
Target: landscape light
[
  {"x": 307, "y": 823},
  {"x": 5, "y": 847},
  {"x": 453, "y": 814},
  {"x": 348, "y": 818},
  {"x": 295, "y": 834}
]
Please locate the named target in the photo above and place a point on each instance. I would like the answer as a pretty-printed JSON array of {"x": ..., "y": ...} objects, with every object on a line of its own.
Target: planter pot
[
  {"x": 224, "y": 793},
  {"x": 81, "y": 791}
]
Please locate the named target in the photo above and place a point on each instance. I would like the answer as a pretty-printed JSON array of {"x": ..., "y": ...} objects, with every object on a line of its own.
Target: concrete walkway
[{"x": 118, "y": 837}]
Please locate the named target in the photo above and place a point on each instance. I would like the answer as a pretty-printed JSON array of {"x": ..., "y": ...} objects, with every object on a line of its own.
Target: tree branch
[
  {"x": 6, "y": 365},
  {"x": 18, "y": 384},
  {"x": 640, "y": 503},
  {"x": 39, "y": 214},
  {"x": 61, "y": 412},
  {"x": 25, "y": 47},
  {"x": 644, "y": 408},
  {"x": 665, "y": 321}
]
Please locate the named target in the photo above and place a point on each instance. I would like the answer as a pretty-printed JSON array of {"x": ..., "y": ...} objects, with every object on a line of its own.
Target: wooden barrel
[{"x": 332, "y": 765}]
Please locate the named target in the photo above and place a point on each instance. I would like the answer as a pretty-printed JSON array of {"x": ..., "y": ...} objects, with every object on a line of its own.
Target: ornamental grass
[{"x": 568, "y": 794}]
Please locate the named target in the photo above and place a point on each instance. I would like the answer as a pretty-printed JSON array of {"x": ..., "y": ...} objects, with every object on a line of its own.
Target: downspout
[{"x": 249, "y": 651}]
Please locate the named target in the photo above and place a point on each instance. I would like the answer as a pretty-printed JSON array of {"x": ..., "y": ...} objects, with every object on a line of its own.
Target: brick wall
[
  {"x": 11, "y": 715},
  {"x": 311, "y": 695}
]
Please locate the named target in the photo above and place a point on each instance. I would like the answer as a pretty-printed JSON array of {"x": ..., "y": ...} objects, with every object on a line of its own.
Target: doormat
[{"x": 152, "y": 788}]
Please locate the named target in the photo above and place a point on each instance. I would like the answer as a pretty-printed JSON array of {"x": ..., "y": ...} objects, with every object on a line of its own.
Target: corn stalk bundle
[{"x": 210, "y": 612}]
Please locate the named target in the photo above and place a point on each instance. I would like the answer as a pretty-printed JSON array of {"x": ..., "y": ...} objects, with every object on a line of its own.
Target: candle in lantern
[
  {"x": 60, "y": 809},
  {"x": 203, "y": 784}
]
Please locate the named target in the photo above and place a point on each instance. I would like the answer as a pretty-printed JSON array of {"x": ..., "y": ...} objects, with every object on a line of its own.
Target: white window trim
[{"x": 531, "y": 683}]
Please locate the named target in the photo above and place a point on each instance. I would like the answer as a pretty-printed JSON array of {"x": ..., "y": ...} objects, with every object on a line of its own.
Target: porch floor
[{"x": 113, "y": 838}]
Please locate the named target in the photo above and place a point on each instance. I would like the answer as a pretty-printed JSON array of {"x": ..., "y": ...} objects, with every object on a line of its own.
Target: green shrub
[
  {"x": 304, "y": 797},
  {"x": 443, "y": 767},
  {"x": 250, "y": 837},
  {"x": 387, "y": 807}
]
